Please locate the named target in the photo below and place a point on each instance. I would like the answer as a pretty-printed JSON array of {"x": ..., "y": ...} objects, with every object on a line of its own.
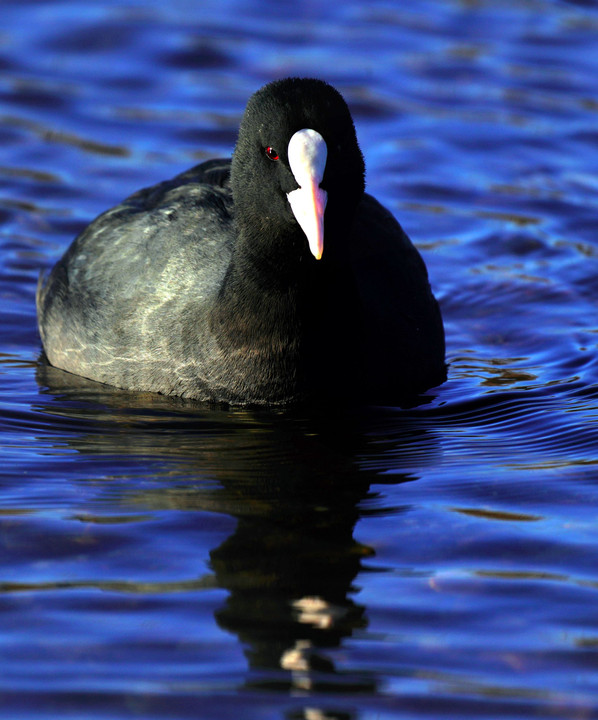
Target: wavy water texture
[{"x": 162, "y": 559}]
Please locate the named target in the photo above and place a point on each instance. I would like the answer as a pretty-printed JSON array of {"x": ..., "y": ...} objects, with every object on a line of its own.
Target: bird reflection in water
[{"x": 295, "y": 487}]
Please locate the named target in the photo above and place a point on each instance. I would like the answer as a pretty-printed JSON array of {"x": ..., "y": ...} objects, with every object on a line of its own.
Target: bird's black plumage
[{"x": 204, "y": 286}]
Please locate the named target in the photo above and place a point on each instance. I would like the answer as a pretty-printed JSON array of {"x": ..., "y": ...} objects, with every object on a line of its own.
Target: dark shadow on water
[{"x": 295, "y": 484}]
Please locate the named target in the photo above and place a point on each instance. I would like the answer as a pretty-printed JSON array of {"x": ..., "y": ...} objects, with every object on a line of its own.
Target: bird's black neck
[
  {"x": 278, "y": 319},
  {"x": 261, "y": 318}
]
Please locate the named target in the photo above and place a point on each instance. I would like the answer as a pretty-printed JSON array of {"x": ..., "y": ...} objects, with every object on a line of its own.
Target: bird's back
[
  {"x": 403, "y": 334},
  {"x": 128, "y": 303}
]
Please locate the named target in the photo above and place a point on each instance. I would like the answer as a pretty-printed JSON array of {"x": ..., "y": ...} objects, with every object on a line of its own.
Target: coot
[{"x": 265, "y": 279}]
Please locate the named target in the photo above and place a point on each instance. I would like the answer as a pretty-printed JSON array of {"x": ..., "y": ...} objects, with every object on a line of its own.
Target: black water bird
[{"x": 265, "y": 279}]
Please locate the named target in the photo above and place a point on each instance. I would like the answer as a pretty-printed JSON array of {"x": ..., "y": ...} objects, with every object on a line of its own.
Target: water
[{"x": 165, "y": 560}]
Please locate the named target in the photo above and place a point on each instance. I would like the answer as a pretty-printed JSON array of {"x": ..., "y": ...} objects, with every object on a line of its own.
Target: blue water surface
[{"x": 161, "y": 559}]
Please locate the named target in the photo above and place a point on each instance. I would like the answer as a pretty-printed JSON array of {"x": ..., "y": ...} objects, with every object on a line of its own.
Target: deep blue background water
[{"x": 166, "y": 560}]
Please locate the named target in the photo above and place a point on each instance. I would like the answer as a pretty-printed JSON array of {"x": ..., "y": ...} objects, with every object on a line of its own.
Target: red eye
[{"x": 271, "y": 153}]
